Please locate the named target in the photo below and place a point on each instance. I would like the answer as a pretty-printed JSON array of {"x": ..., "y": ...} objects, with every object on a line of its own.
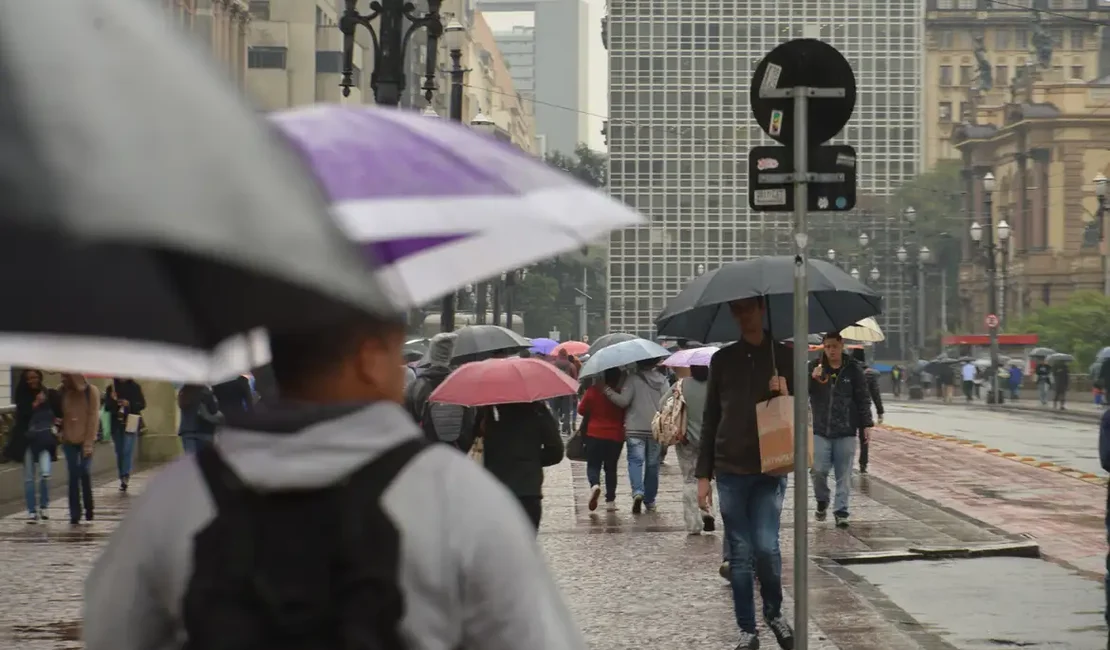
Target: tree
[
  {"x": 589, "y": 166},
  {"x": 1077, "y": 327}
]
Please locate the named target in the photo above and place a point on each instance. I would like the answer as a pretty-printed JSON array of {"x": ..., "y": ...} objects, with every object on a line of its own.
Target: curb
[
  {"x": 1025, "y": 460},
  {"x": 1074, "y": 416},
  {"x": 1026, "y": 549}
]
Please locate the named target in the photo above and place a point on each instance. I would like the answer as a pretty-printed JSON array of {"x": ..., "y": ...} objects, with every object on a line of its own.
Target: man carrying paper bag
[{"x": 743, "y": 377}]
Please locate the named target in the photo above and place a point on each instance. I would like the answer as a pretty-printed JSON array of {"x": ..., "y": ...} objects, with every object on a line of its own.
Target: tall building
[
  {"x": 680, "y": 129},
  {"x": 518, "y": 47},
  {"x": 560, "y": 58}
]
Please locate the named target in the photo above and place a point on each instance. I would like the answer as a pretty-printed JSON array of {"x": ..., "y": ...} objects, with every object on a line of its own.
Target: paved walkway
[{"x": 1084, "y": 409}]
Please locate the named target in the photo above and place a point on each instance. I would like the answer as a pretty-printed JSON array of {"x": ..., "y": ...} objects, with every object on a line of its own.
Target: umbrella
[
  {"x": 543, "y": 346},
  {"x": 623, "y": 354},
  {"x": 573, "y": 348},
  {"x": 1059, "y": 357},
  {"x": 701, "y": 310},
  {"x": 1103, "y": 354},
  {"x": 440, "y": 205},
  {"x": 1041, "y": 352},
  {"x": 478, "y": 341},
  {"x": 691, "y": 357},
  {"x": 865, "y": 331},
  {"x": 504, "y": 381},
  {"x": 936, "y": 366},
  {"x": 164, "y": 227},
  {"x": 609, "y": 339}
]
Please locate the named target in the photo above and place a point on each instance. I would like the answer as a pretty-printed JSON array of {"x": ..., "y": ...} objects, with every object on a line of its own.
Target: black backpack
[
  {"x": 447, "y": 423},
  {"x": 297, "y": 570}
]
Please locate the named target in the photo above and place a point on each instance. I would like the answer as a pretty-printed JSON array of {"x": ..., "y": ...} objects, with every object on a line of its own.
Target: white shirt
[{"x": 968, "y": 372}]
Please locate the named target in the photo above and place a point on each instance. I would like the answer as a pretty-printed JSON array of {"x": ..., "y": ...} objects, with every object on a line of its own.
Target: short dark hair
[
  {"x": 301, "y": 355},
  {"x": 832, "y": 336},
  {"x": 524, "y": 354},
  {"x": 699, "y": 373}
]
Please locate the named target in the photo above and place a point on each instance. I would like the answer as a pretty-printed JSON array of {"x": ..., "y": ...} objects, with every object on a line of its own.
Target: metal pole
[
  {"x": 447, "y": 310},
  {"x": 920, "y": 307},
  {"x": 801, "y": 379},
  {"x": 992, "y": 281},
  {"x": 583, "y": 311},
  {"x": 510, "y": 288},
  {"x": 1105, "y": 248},
  {"x": 943, "y": 298}
]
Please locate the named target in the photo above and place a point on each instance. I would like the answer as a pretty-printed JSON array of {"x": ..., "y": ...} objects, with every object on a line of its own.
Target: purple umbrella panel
[
  {"x": 692, "y": 357},
  {"x": 439, "y": 206}
]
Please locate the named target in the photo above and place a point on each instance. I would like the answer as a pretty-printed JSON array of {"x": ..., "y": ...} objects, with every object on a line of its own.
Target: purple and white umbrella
[
  {"x": 439, "y": 206},
  {"x": 691, "y": 357}
]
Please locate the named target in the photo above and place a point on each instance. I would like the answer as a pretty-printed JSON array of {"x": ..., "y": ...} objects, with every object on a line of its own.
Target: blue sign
[{"x": 841, "y": 203}]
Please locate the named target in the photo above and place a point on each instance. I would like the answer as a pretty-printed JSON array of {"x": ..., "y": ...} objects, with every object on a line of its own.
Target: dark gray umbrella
[
  {"x": 701, "y": 311},
  {"x": 610, "y": 339},
  {"x": 158, "y": 215},
  {"x": 479, "y": 341}
]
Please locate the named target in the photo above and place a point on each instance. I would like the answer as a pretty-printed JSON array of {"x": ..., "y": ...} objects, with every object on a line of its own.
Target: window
[
  {"x": 1021, "y": 39},
  {"x": 946, "y": 75},
  {"x": 265, "y": 57},
  {"x": 1078, "y": 39},
  {"x": 260, "y": 9},
  {"x": 1077, "y": 72},
  {"x": 965, "y": 111},
  {"x": 946, "y": 4},
  {"x": 967, "y": 4},
  {"x": 329, "y": 62},
  {"x": 946, "y": 39},
  {"x": 965, "y": 75},
  {"x": 1001, "y": 75},
  {"x": 945, "y": 111},
  {"x": 1057, "y": 38},
  {"x": 1003, "y": 39}
]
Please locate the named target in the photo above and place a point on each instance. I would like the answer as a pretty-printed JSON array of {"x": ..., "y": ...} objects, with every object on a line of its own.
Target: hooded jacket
[
  {"x": 841, "y": 403},
  {"x": 80, "y": 414},
  {"x": 471, "y": 573},
  {"x": 639, "y": 397}
]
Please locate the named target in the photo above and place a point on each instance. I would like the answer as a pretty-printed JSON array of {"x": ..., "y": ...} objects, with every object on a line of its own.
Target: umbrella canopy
[
  {"x": 623, "y": 354},
  {"x": 162, "y": 226},
  {"x": 1041, "y": 352},
  {"x": 1059, "y": 357},
  {"x": 610, "y": 339},
  {"x": 1103, "y": 354},
  {"x": 701, "y": 310},
  {"x": 865, "y": 331},
  {"x": 543, "y": 346},
  {"x": 573, "y": 348},
  {"x": 937, "y": 365},
  {"x": 440, "y": 205},
  {"x": 504, "y": 381},
  {"x": 478, "y": 341},
  {"x": 691, "y": 357}
]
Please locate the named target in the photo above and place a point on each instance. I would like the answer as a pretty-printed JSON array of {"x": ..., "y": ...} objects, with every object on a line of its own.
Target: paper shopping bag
[
  {"x": 775, "y": 422},
  {"x": 132, "y": 424}
]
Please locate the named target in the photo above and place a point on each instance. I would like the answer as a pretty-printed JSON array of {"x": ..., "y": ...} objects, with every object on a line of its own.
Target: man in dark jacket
[
  {"x": 750, "y": 371},
  {"x": 841, "y": 404},
  {"x": 872, "y": 377},
  {"x": 446, "y": 423},
  {"x": 1104, "y": 458},
  {"x": 235, "y": 397}
]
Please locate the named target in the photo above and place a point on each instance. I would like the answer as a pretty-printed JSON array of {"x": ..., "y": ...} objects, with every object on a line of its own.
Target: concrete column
[
  {"x": 161, "y": 443},
  {"x": 218, "y": 31}
]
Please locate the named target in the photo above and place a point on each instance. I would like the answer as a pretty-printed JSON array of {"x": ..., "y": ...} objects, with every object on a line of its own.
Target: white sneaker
[
  {"x": 610, "y": 506},
  {"x": 595, "y": 494},
  {"x": 32, "y": 517},
  {"x": 748, "y": 641}
]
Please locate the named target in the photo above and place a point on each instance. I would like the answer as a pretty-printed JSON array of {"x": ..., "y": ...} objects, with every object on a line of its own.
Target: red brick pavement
[{"x": 1063, "y": 513}]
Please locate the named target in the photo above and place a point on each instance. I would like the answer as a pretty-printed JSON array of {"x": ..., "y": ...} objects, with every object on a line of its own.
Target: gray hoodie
[
  {"x": 472, "y": 574},
  {"x": 639, "y": 397}
]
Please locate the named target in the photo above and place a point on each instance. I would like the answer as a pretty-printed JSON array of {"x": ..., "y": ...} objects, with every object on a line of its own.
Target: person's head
[
  {"x": 613, "y": 377},
  {"x": 682, "y": 373},
  {"x": 441, "y": 348},
  {"x": 859, "y": 356},
  {"x": 525, "y": 354},
  {"x": 563, "y": 353},
  {"x": 834, "y": 347},
  {"x": 357, "y": 359},
  {"x": 748, "y": 314},
  {"x": 645, "y": 366},
  {"x": 699, "y": 373},
  {"x": 33, "y": 378}
]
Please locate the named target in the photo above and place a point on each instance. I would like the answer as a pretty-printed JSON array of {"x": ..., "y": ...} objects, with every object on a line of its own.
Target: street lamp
[
  {"x": 390, "y": 42},
  {"x": 429, "y": 112},
  {"x": 456, "y": 35},
  {"x": 483, "y": 123},
  {"x": 863, "y": 240},
  {"x": 911, "y": 215},
  {"x": 875, "y": 274},
  {"x": 988, "y": 182},
  {"x": 902, "y": 255},
  {"x": 984, "y": 237},
  {"x": 1100, "y": 194},
  {"x": 831, "y": 255},
  {"x": 976, "y": 232},
  {"x": 700, "y": 269},
  {"x": 924, "y": 255},
  {"x": 855, "y": 274}
]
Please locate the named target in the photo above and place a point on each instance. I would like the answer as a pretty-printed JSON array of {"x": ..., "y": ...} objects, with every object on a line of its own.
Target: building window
[
  {"x": 1021, "y": 39},
  {"x": 965, "y": 75},
  {"x": 965, "y": 111},
  {"x": 1057, "y": 38},
  {"x": 945, "y": 39},
  {"x": 967, "y": 4},
  {"x": 1003, "y": 39},
  {"x": 265, "y": 57},
  {"x": 1078, "y": 39},
  {"x": 260, "y": 9},
  {"x": 946, "y": 4},
  {"x": 1077, "y": 72},
  {"x": 329, "y": 62},
  {"x": 1001, "y": 75},
  {"x": 946, "y": 75},
  {"x": 945, "y": 111}
]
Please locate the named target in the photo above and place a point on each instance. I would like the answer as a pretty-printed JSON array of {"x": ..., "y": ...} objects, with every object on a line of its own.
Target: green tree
[
  {"x": 589, "y": 166},
  {"x": 1077, "y": 327}
]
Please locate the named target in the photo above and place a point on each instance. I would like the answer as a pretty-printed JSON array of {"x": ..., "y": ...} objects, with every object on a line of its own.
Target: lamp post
[
  {"x": 989, "y": 250},
  {"x": 510, "y": 280},
  {"x": 854, "y": 273},
  {"x": 1100, "y": 194},
  {"x": 874, "y": 275},
  {"x": 390, "y": 41},
  {"x": 455, "y": 34},
  {"x": 912, "y": 259}
]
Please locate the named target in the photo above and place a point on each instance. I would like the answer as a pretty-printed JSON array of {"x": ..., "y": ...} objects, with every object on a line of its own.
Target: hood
[
  {"x": 307, "y": 446},
  {"x": 654, "y": 379}
]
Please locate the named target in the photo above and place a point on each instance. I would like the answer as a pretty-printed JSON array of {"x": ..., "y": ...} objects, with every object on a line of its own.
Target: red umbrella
[
  {"x": 504, "y": 381},
  {"x": 575, "y": 348}
]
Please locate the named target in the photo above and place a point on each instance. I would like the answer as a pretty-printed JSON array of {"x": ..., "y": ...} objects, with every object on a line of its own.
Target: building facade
[
  {"x": 221, "y": 25},
  {"x": 518, "y": 48},
  {"x": 679, "y": 131}
]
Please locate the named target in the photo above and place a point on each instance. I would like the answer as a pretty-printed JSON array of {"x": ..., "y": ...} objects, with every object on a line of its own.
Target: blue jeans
[
  {"x": 751, "y": 507},
  {"x": 836, "y": 454},
  {"x": 125, "y": 451},
  {"x": 194, "y": 442},
  {"x": 643, "y": 467},
  {"x": 30, "y": 461},
  {"x": 80, "y": 482}
]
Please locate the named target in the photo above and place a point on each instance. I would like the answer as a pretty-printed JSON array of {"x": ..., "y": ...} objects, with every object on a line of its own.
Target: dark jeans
[
  {"x": 533, "y": 507},
  {"x": 969, "y": 390},
  {"x": 863, "y": 445},
  {"x": 751, "y": 507},
  {"x": 191, "y": 443},
  {"x": 605, "y": 454},
  {"x": 124, "y": 444},
  {"x": 80, "y": 482}
]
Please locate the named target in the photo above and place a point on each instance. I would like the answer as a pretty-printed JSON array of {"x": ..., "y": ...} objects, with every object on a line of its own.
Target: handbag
[{"x": 576, "y": 445}]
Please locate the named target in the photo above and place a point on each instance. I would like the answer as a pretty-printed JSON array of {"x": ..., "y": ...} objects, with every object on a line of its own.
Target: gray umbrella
[
  {"x": 610, "y": 339},
  {"x": 1041, "y": 352},
  {"x": 1059, "y": 357},
  {"x": 155, "y": 209},
  {"x": 622, "y": 354},
  {"x": 478, "y": 341}
]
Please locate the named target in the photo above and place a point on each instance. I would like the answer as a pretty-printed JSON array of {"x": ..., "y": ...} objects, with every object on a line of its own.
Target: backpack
[
  {"x": 447, "y": 423},
  {"x": 300, "y": 569},
  {"x": 669, "y": 424}
]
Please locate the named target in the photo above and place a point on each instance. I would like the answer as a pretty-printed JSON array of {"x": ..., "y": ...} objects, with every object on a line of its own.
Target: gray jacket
[
  {"x": 639, "y": 397},
  {"x": 471, "y": 573}
]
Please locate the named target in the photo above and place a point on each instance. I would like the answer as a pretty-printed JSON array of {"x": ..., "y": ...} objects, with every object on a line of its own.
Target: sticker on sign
[
  {"x": 770, "y": 197},
  {"x": 771, "y": 77}
]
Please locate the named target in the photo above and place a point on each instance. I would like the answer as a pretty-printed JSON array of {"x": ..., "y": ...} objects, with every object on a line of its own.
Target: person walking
[
  {"x": 602, "y": 423},
  {"x": 1061, "y": 379},
  {"x": 200, "y": 415},
  {"x": 564, "y": 406},
  {"x": 841, "y": 405},
  {"x": 693, "y": 390},
  {"x": 125, "y": 404},
  {"x": 41, "y": 444},
  {"x": 872, "y": 377},
  {"x": 1104, "y": 459},
  {"x": 518, "y": 441},
  {"x": 450, "y": 424},
  {"x": 750, "y": 371},
  {"x": 967, "y": 375},
  {"x": 639, "y": 397},
  {"x": 1043, "y": 373},
  {"x": 80, "y": 402},
  {"x": 896, "y": 378}
]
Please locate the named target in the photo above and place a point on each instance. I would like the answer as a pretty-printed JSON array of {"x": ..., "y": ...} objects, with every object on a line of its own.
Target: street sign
[
  {"x": 992, "y": 321},
  {"x": 831, "y": 183},
  {"x": 812, "y": 64}
]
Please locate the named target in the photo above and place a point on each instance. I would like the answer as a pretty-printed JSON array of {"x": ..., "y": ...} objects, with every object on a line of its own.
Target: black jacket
[
  {"x": 235, "y": 397},
  {"x": 872, "y": 377},
  {"x": 521, "y": 441},
  {"x": 123, "y": 389},
  {"x": 739, "y": 375},
  {"x": 841, "y": 403}
]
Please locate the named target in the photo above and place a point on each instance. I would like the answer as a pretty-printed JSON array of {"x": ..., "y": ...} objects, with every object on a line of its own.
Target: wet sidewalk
[{"x": 1080, "y": 409}]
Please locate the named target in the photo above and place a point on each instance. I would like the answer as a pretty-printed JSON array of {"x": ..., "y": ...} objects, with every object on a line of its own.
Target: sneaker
[
  {"x": 32, "y": 518},
  {"x": 610, "y": 506},
  {"x": 74, "y": 521},
  {"x": 822, "y": 511},
  {"x": 708, "y": 523},
  {"x": 88, "y": 515},
  {"x": 43, "y": 515},
  {"x": 650, "y": 507},
  {"x": 841, "y": 519},
  {"x": 748, "y": 641},
  {"x": 724, "y": 571},
  {"x": 637, "y": 504},
  {"x": 595, "y": 494},
  {"x": 863, "y": 469},
  {"x": 784, "y": 634}
]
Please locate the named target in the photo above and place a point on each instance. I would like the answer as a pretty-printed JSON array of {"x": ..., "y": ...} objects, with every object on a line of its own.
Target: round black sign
[{"x": 803, "y": 62}]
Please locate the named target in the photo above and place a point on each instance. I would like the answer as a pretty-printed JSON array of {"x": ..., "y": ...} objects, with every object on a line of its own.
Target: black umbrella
[
  {"x": 476, "y": 342},
  {"x": 610, "y": 339},
  {"x": 936, "y": 366},
  {"x": 701, "y": 310},
  {"x": 142, "y": 250}
]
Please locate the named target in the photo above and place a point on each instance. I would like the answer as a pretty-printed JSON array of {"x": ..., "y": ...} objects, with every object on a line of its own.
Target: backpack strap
[
  {"x": 224, "y": 484},
  {"x": 376, "y": 475}
]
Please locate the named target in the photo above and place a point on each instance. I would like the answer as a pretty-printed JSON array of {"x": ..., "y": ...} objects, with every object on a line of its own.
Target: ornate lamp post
[
  {"x": 1100, "y": 194},
  {"x": 510, "y": 280},
  {"x": 455, "y": 35},
  {"x": 390, "y": 40},
  {"x": 989, "y": 250}
]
